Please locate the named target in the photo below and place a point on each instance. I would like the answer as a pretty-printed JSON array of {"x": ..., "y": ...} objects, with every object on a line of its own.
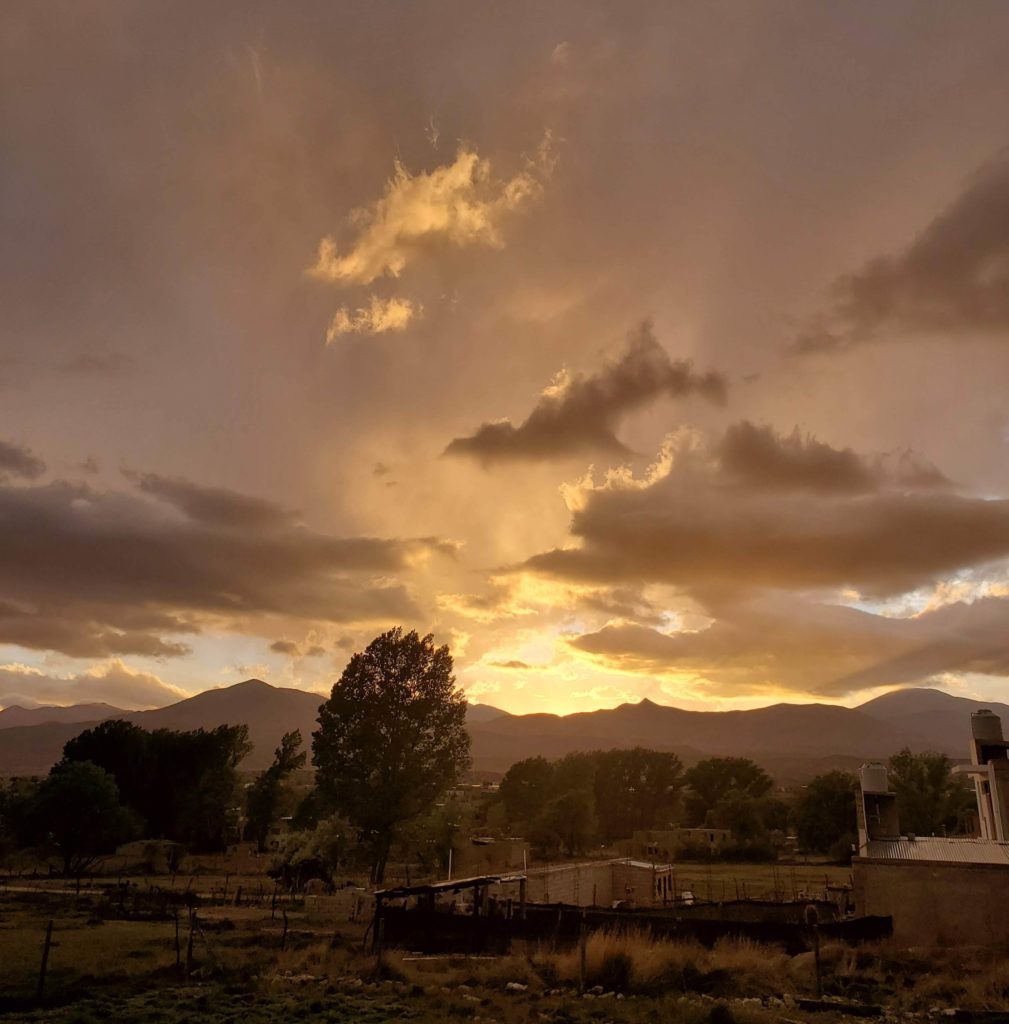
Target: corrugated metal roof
[{"x": 938, "y": 850}]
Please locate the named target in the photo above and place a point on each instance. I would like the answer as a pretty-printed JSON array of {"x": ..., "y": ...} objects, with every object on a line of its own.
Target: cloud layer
[
  {"x": 682, "y": 526},
  {"x": 579, "y": 414},
  {"x": 774, "y": 643},
  {"x": 110, "y": 682},
  {"x": 16, "y": 460},
  {"x": 93, "y": 573}
]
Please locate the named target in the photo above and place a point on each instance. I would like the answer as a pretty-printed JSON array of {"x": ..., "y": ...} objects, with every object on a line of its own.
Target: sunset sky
[{"x": 652, "y": 349}]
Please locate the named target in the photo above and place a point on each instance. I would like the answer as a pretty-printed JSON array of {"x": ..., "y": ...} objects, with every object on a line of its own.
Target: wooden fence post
[
  {"x": 283, "y": 938},
  {"x": 189, "y": 944},
  {"x": 582, "y": 953},
  {"x": 813, "y": 921},
  {"x": 45, "y": 960}
]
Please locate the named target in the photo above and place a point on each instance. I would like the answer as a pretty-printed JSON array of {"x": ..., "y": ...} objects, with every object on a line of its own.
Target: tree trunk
[{"x": 383, "y": 844}]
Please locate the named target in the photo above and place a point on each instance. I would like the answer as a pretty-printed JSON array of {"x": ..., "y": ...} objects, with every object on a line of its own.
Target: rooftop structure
[
  {"x": 989, "y": 767},
  {"x": 939, "y": 890}
]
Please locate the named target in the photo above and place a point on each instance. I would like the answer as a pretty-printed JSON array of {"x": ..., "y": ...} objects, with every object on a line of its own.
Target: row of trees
[
  {"x": 584, "y": 799},
  {"x": 391, "y": 740}
]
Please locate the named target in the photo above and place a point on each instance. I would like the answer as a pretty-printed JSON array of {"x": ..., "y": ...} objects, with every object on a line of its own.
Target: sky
[{"x": 642, "y": 350}]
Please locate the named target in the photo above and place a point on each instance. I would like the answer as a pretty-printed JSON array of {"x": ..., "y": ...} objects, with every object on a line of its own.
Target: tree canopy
[
  {"x": 930, "y": 799},
  {"x": 392, "y": 737},
  {"x": 626, "y": 789},
  {"x": 77, "y": 813},
  {"x": 825, "y": 814},
  {"x": 712, "y": 779},
  {"x": 181, "y": 785}
]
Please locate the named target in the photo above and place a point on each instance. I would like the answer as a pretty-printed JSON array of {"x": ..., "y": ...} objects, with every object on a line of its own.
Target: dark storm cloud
[
  {"x": 952, "y": 281},
  {"x": 95, "y": 572},
  {"x": 296, "y": 650},
  {"x": 680, "y": 527},
  {"x": 581, "y": 414},
  {"x": 16, "y": 460},
  {"x": 213, "y": 506},
  {"x": 803, "y": 647},
  {"x": 759, "y": 458}
]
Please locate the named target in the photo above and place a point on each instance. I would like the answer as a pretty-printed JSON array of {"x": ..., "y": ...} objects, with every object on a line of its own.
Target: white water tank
[
  {"x": 986, "y": 726},
  {"x": 872, "y": 777}
]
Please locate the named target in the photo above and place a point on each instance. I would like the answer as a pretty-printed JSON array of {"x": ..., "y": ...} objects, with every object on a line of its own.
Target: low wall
[
  {"x": 936, "y": 904},
  {"x": 439, "y": 932}
]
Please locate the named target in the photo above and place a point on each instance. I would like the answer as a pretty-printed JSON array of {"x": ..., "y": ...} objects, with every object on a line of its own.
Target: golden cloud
[
  {"x": 462, "y": 204},
  {"x": 379, "y": 316}
]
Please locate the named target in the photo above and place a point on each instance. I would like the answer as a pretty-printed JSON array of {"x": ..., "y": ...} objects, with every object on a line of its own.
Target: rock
[{"x": 515, "y": 986}]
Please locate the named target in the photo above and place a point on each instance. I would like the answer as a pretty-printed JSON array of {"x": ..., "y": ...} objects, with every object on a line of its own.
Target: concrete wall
[
  {"x": 600, "y": 884},
  {"x": 936, "y": 904},
  {"x": 574, "y": 884}
]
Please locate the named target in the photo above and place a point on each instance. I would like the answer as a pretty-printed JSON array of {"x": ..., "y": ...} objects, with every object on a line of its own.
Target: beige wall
[
  {"x": 599, "y": 884},
  {"x": 574, "y": 884},
  {"x": 936, "y": 904}
]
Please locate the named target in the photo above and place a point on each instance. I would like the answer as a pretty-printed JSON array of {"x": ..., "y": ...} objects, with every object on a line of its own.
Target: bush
[{"x": 614, "y": 973}]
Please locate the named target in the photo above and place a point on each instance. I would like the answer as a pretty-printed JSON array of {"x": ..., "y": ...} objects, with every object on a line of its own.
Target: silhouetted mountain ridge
[{"x": 792, "y": 740}]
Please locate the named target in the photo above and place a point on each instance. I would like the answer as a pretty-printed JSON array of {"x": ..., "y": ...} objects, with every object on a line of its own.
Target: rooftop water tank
[
  {"x": 986, "y": 726},
  {"x": 872, "y": 777}
]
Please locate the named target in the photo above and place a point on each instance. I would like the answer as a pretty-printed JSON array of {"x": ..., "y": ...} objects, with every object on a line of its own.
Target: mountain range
[{"x": 792, "y": 741}]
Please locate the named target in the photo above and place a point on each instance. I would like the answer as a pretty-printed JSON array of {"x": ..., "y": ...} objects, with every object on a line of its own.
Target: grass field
[{"x": 245, "y": 971}]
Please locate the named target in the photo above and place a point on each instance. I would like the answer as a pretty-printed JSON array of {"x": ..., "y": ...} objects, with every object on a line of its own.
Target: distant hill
[
  {"x": 800, "y": 730},
  {"x": 793, "y": 741},
  {"x": 17, "y": 715},
  {"x": 268, "y": 711},
  {"x": 938, "y": 719},
  {"x": 32, "y": 745},
  {"x": 479, "y": 713}
]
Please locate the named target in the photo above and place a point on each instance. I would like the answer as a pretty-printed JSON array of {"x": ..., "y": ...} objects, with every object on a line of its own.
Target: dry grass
[
  {"x": 632, "y": 961},
  {"x": 118, "y": 960}
]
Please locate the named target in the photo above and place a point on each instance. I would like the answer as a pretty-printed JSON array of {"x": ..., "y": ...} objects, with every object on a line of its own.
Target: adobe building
[
  {"x": 602, "y": 883},
  {"x": 666, "y": 844},
  {"x": 939, "y": 891}
]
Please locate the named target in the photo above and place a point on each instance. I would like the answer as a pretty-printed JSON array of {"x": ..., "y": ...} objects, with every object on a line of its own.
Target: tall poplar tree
[{"x": 391, "y": 738}]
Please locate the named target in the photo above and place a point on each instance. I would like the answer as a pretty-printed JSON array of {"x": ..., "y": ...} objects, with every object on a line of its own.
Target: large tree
[
  {"x": 391, "y": 738},
  {"x": 525, "y": 788},
  {"x": 76, "y": 812},
  {"x": 712, "y": 779},
  {"x": 930, "y": 799},
  {"x": 825, "y": 814},
  {"x": 636, "y": 789}
]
